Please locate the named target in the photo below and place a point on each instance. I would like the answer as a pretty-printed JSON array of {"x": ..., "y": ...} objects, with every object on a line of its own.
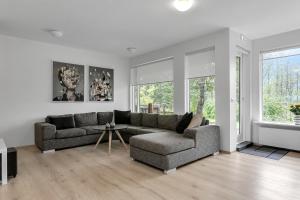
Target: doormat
[{"x": 266, "y": 152}]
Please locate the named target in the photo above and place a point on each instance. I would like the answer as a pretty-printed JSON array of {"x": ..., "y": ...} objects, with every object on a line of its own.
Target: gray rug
[{"x": 266, "y": 152}]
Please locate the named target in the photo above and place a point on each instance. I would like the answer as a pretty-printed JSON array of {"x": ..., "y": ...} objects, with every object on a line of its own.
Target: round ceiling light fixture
[
  {"x": 183, "y": 5},
  {"x": 55, "y": 33}
]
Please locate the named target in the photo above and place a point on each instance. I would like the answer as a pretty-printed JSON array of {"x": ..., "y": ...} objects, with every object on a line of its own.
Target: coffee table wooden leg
[
  {"x": 100, "y": 138},
  {"x": 109, "y": 142},
  {"x": 120, "y": 137}
]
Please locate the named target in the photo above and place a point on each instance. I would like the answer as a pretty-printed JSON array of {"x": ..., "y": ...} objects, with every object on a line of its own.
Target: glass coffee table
[{"x": 110, "y": 131}]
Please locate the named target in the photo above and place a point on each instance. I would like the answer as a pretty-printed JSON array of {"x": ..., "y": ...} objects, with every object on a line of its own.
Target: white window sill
[{"x": 276, "y": 125}]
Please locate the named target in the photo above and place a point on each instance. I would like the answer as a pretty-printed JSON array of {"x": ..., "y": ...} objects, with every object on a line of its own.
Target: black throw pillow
[
  {"x": 184, "y": 122},
  {"x": 62, "y": 122},
  {"x": 122, "y": 117}
]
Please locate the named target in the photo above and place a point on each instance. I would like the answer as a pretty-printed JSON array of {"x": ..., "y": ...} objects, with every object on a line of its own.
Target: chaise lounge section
[{"x": 167, "y": 151}]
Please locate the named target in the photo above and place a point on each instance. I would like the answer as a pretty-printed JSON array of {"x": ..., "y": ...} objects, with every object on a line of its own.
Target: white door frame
[{"x": 243, "y": 59}]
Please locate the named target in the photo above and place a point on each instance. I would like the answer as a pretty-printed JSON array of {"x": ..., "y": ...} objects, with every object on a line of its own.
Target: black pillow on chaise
[{"x": 184, "y": 122}]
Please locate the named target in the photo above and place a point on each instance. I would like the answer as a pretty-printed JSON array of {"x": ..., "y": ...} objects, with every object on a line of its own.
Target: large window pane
[
  {"x": 201, "y": 76},
  {"x": 202, "y": 97},
  {"x": 152, "y": 83},
  {"x": 160, "y": 95},
  {"x": 280, "y": 78}
]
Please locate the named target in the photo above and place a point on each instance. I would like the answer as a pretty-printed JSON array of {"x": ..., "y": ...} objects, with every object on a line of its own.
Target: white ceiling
[{"x": 113, "y": 25}]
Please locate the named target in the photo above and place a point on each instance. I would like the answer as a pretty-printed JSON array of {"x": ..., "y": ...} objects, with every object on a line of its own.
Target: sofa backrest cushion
[
  {"x": 184, "y": 122},
  {"x": 61, "y": 121},
  {"x": 136, "y": 119},
  {"x": 167, "y": 122},
  {"x": 85, "y": 119},
  {"x": 122, "y": 117},
  {"x": 149, "y": 120},
  {"x": 104, "y": 117}
]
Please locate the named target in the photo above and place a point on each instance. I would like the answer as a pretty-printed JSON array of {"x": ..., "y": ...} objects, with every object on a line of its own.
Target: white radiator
[{"x": 283, "y": 136}]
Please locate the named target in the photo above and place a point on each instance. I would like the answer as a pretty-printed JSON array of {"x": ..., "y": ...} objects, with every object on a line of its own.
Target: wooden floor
[{"x": 87, "y": 174}]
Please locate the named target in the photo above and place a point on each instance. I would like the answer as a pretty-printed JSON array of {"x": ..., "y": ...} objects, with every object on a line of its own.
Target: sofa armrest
[
  {"x": 205, "y": 136},
  {"x": 44, "y": 131}
]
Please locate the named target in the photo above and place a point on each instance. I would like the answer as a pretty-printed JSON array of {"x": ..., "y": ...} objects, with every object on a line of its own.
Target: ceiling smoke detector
[
  {"x": 55, "y": 33},
  {"x": 183, "y": 5},
  {"x": 131, "y": 49}
]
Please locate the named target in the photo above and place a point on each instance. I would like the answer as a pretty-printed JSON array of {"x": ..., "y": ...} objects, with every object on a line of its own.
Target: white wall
[
  {"x": 224, "y": 43},
  {"x": 26, "y": 85},
  {"x": 285, "y": 40}
]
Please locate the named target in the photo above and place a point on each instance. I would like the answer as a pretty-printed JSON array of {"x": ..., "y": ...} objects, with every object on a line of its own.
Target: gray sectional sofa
[{"x": 153, "y": 138}]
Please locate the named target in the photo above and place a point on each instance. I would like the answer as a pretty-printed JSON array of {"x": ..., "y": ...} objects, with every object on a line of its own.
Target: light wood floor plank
[{"x": 87, "y": 174}]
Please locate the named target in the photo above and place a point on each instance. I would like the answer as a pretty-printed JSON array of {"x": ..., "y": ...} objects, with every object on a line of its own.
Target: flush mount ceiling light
[
  {"x": 183, "y": 5},
  {"x": 131, "y": 49},
  {"x": 55, "y": 33}
]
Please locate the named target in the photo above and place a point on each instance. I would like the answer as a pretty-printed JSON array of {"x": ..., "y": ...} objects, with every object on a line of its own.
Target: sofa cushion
[
  {"x": 90, "y": 130},
  {"x": 61, "y": 121},
  {"x": 184, "y": 122},
  {"x": 136, "y": 119},
  {"x": 104, "y": 117},
  {"x": 162, "y": 143},
  {"x": 146, "y": 130},
  {"x": 69, "y": 133},
  {"x": 154, "y": 130},
  {"x": 132, "y": 130},
  {"x": 139, "y": 130},
  {"x": 85, "y": 119},
  {"x": 149, "y": 120},
  {"x": 167, "y": 122},
  {"x": 122, "y": 117}
]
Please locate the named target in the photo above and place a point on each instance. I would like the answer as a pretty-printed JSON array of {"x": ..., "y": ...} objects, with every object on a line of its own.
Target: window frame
[{"x": 260, "y": 79}]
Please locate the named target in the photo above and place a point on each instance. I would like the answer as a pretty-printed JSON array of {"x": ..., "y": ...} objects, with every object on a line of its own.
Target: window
[
  {"x": 202, "y": 96},
  {"x": 280, "y": 84},
  {"x": 201, "y": 81},
  {"x": 152, "y": 87}
]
